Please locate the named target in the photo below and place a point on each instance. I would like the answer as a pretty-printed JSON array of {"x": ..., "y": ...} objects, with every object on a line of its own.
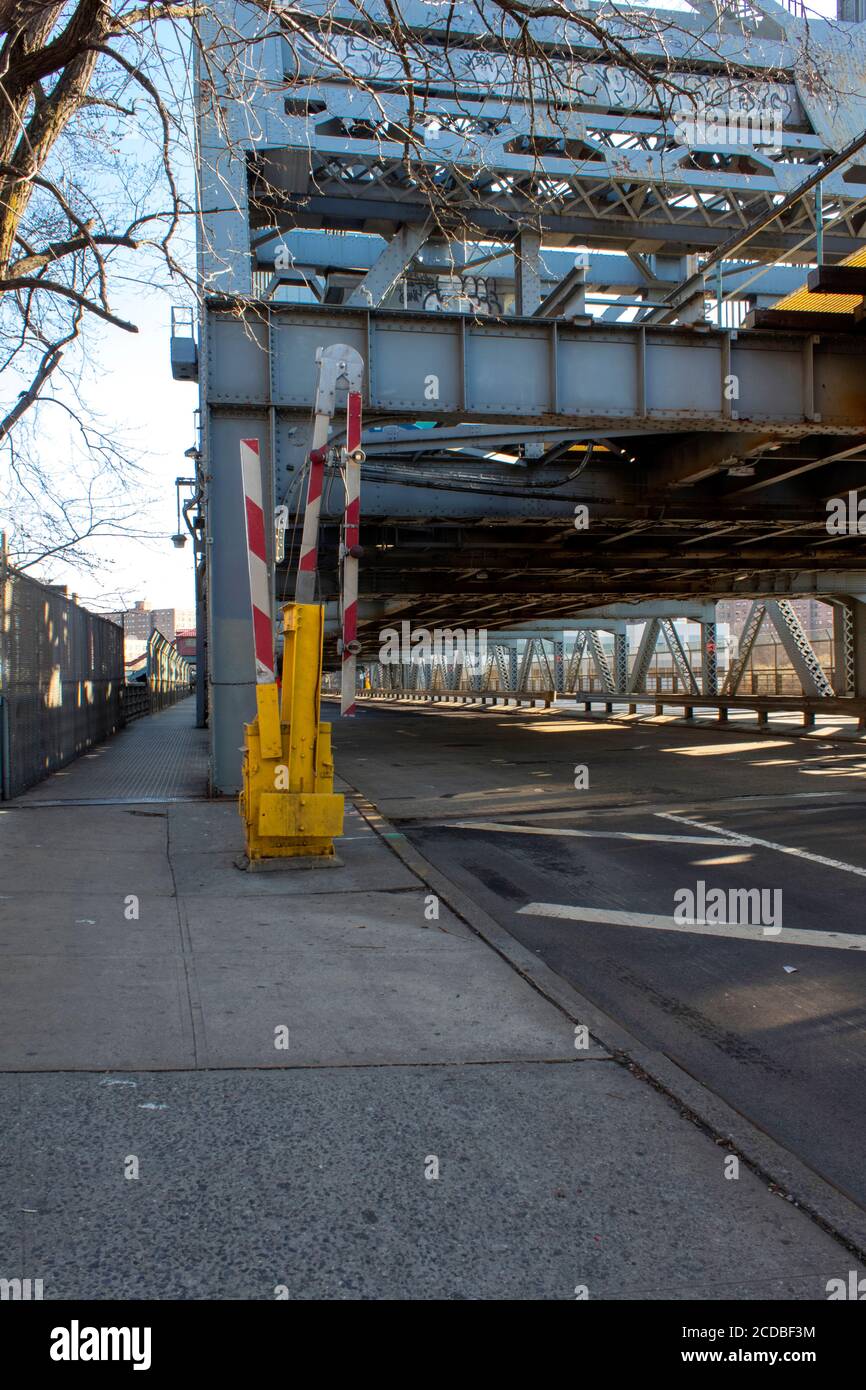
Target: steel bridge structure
[{"x": 569, "y": 421}]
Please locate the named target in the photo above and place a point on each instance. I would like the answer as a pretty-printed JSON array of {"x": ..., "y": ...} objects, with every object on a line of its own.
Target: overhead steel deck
[{"x": 603, "y": 159}]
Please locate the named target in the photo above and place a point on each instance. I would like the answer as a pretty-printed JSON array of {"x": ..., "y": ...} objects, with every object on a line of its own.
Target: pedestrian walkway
[
  {"x": 328, "y": 1082},
  {"x": 159, "y": 757}
]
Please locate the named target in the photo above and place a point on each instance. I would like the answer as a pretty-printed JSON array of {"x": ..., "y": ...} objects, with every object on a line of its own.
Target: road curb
[{"x": 785, "y": 1174}]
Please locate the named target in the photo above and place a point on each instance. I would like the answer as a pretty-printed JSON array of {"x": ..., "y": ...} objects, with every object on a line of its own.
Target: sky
[{"x": 134, "y": 391}]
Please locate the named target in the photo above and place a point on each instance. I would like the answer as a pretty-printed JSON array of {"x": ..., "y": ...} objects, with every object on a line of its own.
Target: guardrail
[
  {"x": 465, "y": 697},
  {"x": 134, "y": 700},
  {"x": 762, "y": 705},
  {"x": 138, "y": 698}
]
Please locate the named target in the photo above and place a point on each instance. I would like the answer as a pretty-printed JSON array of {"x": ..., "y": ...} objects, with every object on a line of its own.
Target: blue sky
[{"x": 134, "y": 392}]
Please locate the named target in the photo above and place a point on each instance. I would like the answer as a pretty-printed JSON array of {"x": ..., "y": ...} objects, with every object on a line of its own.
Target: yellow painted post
[
  {"x": 288, "y": 803},
  {"x": 270, "y": 734}
]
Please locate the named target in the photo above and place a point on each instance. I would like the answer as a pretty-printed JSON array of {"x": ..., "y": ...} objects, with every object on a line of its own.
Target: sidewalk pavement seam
[
  {"x": 390, "y": 1065},
  {"x": 785, "y": 1175},
  {"x": 193, "y": 996}
]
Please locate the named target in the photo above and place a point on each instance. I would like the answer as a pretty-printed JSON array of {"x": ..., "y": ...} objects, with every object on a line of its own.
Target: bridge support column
[
  {"x": 845, "y": 647},
  {"x": 559, "y": 664},
  {"x": 709, "y": 667},
  {"x": 620, "y": 660},
  {"x": 527, "y": 272},
  {"x": 858, "y": 646}
]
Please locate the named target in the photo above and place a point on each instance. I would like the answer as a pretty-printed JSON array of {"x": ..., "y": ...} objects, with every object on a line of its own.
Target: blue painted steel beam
[{"x": 321, "y": 251}]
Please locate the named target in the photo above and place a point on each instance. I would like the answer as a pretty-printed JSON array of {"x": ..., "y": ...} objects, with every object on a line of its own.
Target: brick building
[
  {"x": 139, "y": 622},
  {"x": 184, "y": 640}
]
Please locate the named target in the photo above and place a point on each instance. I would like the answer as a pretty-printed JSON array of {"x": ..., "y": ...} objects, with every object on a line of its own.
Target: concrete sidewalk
[{"x": 288, "y": 1058}]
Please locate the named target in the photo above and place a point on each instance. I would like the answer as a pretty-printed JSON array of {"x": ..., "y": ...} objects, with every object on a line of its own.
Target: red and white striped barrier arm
[
  {"x": 260, "y": 587},
  {"x": 336, "y": 363},
  {"x": 353, "y": 457},
  {"x": 305, "y": 582}
]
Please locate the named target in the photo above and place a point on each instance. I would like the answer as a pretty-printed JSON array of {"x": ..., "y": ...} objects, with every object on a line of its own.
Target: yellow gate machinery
[{"x": 287, "y": 802}]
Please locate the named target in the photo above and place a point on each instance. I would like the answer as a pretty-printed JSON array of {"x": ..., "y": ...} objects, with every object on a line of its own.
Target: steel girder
[
  {"x": 798, "y": 648},
  {"x": 600, "y": 661},
  {"x": 845, "y": 674},
  {"x": 608, "y": 158},
  {"x": 709, "y": 660},
  {"x": 610, "y": 147},
  {"x": 645, "y": 651},
  {"x": 858, "y": 645},
  {"x": 748, "y": 636},
  {"x": 516, "y": 160},
  {"x": 614, "y": 377},
  {"x": 502, "y": 656},
  {"x": 390, "y": 265},
  {"x": 577, "y": 652},
  {"x": 620, "y": 660},
  {"x": 678, "y": 656},
  {"x": 488, "y": 279},
  {"x": 559, "y": 665},
  {"x": 526, "y": 661}
]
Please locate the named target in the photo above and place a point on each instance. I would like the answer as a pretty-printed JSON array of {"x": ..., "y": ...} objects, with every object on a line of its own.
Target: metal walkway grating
[{"x": 160, "y": 757}]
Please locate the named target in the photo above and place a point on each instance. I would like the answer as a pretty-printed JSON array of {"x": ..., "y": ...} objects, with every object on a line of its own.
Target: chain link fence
[
  {"x": 169, "y": 674},
  {"x": 61, "y": 676},
  {"x": 768, "y": 672}
]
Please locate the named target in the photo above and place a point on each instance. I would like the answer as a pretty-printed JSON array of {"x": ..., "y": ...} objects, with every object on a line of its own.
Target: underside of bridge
[
  {"x": 667, "y": 515},
  {"x": 490, "y": 523},
  {"x": 579, "y": 389}
]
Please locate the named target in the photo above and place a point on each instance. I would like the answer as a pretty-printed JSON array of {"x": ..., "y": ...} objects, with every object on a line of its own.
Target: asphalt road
[{"x": 771, "y": 1021}]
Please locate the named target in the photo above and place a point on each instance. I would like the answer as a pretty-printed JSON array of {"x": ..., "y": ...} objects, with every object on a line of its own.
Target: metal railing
[
  {"x": 134, "y": 700},
  {"x": 169, "y": 675},
  {"x": 465, "y": 697},
  {"x": 808, "y": 706}
]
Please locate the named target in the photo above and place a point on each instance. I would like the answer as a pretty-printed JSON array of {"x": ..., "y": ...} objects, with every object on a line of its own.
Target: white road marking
[
  {"x": 788, "y": 936},
  {"x": 591, "y": 834},
  {"x": 767, "y": 844}
]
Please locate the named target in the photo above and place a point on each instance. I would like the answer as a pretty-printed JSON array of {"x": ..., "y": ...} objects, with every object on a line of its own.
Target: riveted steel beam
[{"x": 615, "y": 377}]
